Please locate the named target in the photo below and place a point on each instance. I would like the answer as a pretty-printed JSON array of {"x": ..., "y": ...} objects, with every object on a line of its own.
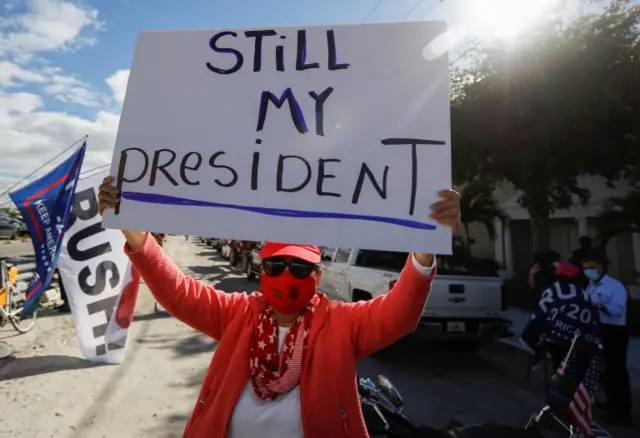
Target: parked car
[
  {"x": 252, "y": 268},
  {"x": 462, "y": 306},
  {"x": 238, "y": 251},
  {"x": 9, "y": 227},
  {"x": 23, "y": 228}
]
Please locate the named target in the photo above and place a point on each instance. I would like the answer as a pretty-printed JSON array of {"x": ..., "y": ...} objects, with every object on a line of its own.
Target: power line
[
  {"x": 97, "y": 168},
  {"x": 433, "y": 6},
  {"x": 420, "y": 3},
  {"x": 416, "y": 6},
  {"x": 44, "y": 165},
  {"x": 372, "y": 11},
  {"x": 95, "y": 171},
  {"x": 83, "y": 175}
]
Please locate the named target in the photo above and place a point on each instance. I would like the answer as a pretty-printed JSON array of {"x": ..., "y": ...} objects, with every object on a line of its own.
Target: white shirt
[
  {"x": 610, "y": 293},
  {"x": 254, "y": 417},
  {"x": 281, "y": 418}
]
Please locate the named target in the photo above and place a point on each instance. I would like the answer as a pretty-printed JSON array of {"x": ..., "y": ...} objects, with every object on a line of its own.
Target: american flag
[{"x": 581, "y": 403}]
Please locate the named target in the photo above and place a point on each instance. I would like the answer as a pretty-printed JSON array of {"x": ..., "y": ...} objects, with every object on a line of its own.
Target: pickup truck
[{"x": 460, "y": 307}]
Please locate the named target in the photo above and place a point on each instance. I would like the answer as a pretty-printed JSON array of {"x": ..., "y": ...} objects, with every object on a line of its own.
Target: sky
[{"x": 64, "y": 64}]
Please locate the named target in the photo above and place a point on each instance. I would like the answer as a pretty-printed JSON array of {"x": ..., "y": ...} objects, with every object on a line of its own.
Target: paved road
[{"x": 151, "y": 394}]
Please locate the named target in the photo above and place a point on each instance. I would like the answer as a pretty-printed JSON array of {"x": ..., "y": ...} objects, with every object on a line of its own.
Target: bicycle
[{"x": 12, "y": 300}]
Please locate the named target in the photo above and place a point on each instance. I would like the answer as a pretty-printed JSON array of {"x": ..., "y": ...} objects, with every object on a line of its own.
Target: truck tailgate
[{"x": 462, "y": 295}]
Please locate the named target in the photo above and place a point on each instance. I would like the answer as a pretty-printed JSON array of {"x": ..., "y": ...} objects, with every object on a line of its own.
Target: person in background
[
  {"x": 563, "y": 310},
  {"x": 285, "y": 364},
  {"x": 543, "y": 272},
  {"x": 585, "y": 250},
  {"x": 610, "y": 297}
]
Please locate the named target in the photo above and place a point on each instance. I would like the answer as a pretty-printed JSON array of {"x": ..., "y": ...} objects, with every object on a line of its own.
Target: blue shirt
[{"x": 611, "y": 294}]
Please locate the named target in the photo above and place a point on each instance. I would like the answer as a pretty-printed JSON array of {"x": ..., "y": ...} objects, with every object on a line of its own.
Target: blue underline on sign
[{"x": 151, "y": 198}]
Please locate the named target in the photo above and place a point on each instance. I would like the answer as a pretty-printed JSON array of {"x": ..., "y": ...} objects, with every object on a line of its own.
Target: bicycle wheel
[{"x": 23, "y": 325}]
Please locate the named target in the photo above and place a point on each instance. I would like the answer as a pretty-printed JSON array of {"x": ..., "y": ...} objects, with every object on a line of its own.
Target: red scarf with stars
[{"x": 274, "y": 373}]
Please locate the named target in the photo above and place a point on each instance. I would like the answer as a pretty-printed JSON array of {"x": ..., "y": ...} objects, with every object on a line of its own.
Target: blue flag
[{"x": 45, "y": 205}]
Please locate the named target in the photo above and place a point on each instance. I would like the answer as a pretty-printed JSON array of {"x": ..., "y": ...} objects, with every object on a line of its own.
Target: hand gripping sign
[{"x": 265, "y": 134}]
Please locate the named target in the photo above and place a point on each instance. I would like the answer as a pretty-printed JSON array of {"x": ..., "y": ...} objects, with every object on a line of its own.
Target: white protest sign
[
  {"x": 335, "y": 136},
  {"x": 95, "y": 271}
]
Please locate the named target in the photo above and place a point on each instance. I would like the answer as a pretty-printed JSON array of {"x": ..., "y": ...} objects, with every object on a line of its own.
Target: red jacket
[{"x": 341, "y": 334}]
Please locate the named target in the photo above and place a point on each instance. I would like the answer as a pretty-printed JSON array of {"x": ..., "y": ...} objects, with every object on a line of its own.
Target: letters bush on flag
[
  {"x": 45, "y": 205},
  {"x": 101, "y": 285}
]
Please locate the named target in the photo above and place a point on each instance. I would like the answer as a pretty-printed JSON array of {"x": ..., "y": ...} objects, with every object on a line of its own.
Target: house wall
[
  {"x": 522, "y": 247},
  {"x": 621, "y": 255},
  {"x": 564, "y": 234},
  {"x": 483, "y": 246}
]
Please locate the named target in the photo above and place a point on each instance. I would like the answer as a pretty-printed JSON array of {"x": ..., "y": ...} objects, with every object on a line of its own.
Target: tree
[
  {"x": 477, "y": 205},
  {"x": 619, "y": 215},
  {"x": 559, "y": 103}
]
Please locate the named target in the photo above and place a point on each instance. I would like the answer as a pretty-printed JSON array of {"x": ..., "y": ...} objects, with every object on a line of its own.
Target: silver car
[{"x": 9, "y": 227}]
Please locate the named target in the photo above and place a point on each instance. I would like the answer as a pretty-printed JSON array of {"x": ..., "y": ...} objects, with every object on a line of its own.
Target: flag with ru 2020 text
[{"x": 45, "y": 205}]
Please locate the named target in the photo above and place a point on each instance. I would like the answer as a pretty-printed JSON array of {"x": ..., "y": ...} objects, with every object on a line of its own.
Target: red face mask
[{"x": 286, "y": 294}]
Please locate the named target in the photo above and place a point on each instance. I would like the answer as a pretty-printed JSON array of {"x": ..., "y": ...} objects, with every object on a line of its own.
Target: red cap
[
  {"x": 569, "y": 270},
  {"x": 308, "y": 253}
]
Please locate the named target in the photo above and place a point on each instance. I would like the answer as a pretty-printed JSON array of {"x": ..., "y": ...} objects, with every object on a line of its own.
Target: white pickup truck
[{"x": 461, "y": 307}]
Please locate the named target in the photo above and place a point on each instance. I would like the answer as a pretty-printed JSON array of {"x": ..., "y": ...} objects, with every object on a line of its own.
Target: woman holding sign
[{"x": 285, "y": 365}]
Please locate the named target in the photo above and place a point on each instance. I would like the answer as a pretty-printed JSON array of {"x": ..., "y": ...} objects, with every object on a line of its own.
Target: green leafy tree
[
  {"x": 560, "y": 102},
  {"x": 477, "y": 205}
]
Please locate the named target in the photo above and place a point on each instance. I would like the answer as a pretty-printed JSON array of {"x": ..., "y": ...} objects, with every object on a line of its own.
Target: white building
[{"x": 513, "y": 247}]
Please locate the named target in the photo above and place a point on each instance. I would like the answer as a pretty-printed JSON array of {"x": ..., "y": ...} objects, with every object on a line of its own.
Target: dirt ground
[{"x": 49, "y": 390}]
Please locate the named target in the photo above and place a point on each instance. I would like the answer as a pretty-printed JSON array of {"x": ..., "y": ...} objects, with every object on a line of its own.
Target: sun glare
[{"x": 508, "y": 18}]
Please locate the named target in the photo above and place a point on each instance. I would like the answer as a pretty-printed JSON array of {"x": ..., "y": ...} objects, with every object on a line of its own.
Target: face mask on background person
[{"x": 592, "y": 274}]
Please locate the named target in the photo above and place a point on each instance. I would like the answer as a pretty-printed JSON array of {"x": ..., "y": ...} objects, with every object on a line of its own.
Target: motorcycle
[{"x": 382, "y": 407}]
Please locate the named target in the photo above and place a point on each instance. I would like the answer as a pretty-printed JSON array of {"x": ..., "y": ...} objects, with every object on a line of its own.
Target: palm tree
[{"x": 477, "y": 205}]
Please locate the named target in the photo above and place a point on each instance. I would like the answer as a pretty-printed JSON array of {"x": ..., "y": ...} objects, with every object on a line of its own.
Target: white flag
[{"x": 100, "y": 284}]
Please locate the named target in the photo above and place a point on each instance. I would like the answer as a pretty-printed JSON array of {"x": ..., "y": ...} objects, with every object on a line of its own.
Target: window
[
  {"x": 387, "y": 260},
  {"x": 327, "y": 254},
  {"x": 342, "y": 256}
]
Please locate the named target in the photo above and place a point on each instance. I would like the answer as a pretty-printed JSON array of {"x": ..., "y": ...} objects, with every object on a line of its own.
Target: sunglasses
[{"x": 275, "y": 266}]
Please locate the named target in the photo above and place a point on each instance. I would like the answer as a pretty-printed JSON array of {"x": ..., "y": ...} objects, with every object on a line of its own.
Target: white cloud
[
  {"x": 118, "y": 84},
  {"x": 31, "y": 133},
  {"x": 11, "y": 72},
  {"x": 48, "y": 25}
]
